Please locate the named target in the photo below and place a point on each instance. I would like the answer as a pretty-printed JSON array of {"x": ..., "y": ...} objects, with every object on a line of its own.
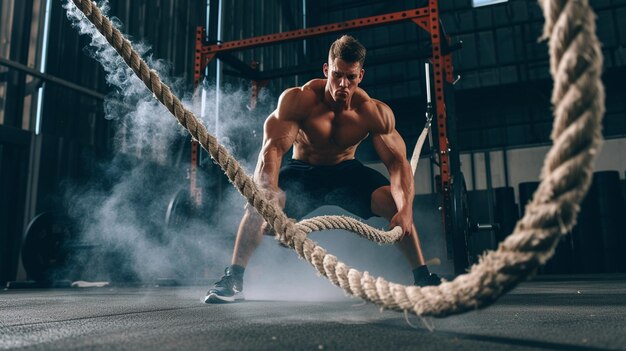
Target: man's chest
[{"x": 344, "y": 129}]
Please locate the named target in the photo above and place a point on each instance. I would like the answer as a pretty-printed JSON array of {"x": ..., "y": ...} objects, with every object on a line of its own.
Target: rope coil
[{"x": 578, "y": 99}]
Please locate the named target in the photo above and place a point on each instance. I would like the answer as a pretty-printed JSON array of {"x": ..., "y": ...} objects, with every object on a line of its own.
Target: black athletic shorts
[{"x": 348, "y": 185}]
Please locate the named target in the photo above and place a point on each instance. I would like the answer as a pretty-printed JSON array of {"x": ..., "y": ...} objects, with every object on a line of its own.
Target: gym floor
[{"x": 557, "y": 312}]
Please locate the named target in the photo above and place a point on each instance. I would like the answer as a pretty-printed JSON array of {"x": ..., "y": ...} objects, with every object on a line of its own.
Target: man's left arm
[{"x": 392, "y": 151}]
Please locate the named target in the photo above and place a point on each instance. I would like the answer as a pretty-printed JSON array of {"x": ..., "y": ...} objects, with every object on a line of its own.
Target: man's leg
[
  {"x": 382, "y": 205},
  {"x": 249, "y": 236}
]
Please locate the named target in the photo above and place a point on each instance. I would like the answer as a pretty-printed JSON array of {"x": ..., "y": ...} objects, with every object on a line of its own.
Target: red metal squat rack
[{"x": 425, "y": 17}]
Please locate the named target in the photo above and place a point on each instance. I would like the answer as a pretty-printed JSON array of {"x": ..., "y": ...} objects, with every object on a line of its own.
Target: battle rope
[{"x": 578, "y": 96}]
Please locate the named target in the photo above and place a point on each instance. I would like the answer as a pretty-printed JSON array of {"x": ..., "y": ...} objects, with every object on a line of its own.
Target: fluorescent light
[
  {"x": 42, "y": 67},
  {"x": 218, "y": 73}
]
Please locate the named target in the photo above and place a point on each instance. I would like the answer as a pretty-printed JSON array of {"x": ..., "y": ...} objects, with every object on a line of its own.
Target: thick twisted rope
[{"x": 579, "y": 104}]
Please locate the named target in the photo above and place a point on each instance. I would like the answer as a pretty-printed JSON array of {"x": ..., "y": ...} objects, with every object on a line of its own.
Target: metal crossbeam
[{"x": 419, "y": 13}]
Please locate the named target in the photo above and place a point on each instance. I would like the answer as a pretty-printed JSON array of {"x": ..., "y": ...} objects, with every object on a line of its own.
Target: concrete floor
[{"x": 562, "y": 313}]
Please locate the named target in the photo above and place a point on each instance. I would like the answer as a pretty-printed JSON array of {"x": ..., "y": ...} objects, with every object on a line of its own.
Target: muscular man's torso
[{"x": 329, "y": 136}]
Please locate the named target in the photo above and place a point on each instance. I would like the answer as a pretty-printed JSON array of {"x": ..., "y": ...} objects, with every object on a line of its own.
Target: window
[{"x": 479, "y": 3}]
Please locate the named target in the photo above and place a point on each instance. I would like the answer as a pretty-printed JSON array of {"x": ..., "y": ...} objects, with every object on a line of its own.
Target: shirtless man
[{"x": 325, "y": 120}]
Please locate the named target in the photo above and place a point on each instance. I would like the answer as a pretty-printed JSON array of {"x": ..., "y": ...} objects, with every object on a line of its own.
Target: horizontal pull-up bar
[{"x": 413, "y": 15}]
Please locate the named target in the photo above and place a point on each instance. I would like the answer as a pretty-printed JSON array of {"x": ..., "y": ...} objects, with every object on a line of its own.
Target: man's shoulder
[
  {"x": 315, "y": 85},
  {"x": 309, "y": 91},
  {"x": 362, "y": 99},
  {"x": 370, "y": 106},
  {"x": 294, "y": 103},
  {"x": 376, "y": 111}
]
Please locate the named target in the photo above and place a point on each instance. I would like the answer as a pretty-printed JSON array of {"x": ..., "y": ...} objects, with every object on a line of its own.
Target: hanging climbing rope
[{"x": 578, "y": 99}]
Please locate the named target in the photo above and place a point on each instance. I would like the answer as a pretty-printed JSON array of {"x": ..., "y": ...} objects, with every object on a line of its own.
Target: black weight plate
[
  {"x": 43, "y": 248},
  {"x": 179, "y": 210},
  {"x": 461, "y": 224}
]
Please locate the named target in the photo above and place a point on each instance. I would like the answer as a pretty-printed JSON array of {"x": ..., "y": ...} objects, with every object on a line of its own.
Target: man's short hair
[{"x": 348, "y": 49}]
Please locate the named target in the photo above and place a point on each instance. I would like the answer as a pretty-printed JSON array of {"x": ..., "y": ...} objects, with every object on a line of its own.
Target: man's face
[{"x": 343, "y": 78}]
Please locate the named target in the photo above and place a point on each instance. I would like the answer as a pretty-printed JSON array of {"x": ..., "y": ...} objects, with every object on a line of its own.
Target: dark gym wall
[
  {"x": 74, "y": 133},
  {"x": 503, "y": 97},
  {"x": 14, "y": 148},
  {"x": 15, "y": 142}
]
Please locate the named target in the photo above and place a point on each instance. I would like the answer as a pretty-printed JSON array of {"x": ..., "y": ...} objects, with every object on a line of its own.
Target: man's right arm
[{"x": 279, "y": 134}]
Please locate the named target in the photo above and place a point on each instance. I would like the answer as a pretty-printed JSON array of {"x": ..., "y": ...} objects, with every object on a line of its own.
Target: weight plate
[
  {"x": 179, "y": 210},
  {"x": 43, "y": 249},
  {"x": 461, "y": 224}
]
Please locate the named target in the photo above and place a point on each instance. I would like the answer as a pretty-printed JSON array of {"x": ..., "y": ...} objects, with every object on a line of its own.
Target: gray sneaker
[{"x": 227, "y": 289}]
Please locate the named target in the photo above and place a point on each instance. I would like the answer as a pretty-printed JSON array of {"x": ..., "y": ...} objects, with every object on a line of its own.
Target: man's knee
[{"x": 382, "y": 202}]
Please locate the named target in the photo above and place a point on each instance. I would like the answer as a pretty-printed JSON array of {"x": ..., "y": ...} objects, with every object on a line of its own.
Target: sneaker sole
[{"x": 214, "y": 298}]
